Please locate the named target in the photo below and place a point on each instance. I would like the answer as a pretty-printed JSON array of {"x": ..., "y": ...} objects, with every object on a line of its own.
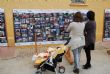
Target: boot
[
  {"x": 86, "y": 66},
  {"x": 76, "y": 71}
]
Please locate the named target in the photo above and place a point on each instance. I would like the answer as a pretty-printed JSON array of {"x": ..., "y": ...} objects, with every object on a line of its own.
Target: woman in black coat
[{"x": 89, "y": 32}]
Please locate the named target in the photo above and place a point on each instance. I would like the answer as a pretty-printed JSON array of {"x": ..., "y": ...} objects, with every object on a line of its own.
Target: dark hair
[
  {"x": 91, "y": 15},
  {"x": 78, "y": 17}
]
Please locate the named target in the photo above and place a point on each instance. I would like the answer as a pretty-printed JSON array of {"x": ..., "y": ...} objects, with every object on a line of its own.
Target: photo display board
[
  {"x": 107, "y": 25},
  {"x": 49, "y": 25},
  {"x": 3, "y": 37}
]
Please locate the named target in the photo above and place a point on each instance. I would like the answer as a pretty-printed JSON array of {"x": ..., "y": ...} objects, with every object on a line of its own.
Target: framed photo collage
[
  {"x": 49, "y": 25},
  {"x": 3, "y": 37},
  {"x": 107, "y": 25}
]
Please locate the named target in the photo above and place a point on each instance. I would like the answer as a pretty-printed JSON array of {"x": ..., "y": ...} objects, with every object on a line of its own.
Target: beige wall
[{"x": 97, "y": 5}]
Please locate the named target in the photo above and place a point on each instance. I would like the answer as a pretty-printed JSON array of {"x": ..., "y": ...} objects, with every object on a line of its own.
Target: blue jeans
[{"x": 76, "y": 54}]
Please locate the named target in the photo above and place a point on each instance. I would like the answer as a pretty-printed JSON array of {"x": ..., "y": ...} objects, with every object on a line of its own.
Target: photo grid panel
[
  {"x": 107, "y": 25},
  {"x": 3, "y": 37},
  {"x": 48, "y": 25}
]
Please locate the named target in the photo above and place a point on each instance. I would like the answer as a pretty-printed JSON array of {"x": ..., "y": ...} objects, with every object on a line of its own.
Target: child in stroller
[{"x": 50, "y": 59}]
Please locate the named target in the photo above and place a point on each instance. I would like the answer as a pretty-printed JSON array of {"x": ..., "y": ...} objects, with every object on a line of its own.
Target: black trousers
[
  {"x": 88, "y": 56},
  {"x": 88, "y": 52}
]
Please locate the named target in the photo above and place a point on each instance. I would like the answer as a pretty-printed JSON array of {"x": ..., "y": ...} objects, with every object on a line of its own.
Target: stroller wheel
[
  {"x": 38, "y": 72},
  {"x": 43, "y": 69},
  {"x": 61, "y": 69}
]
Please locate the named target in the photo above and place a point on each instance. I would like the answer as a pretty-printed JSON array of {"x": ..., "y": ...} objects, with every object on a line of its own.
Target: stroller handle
[{"x": 68, "y": 40}]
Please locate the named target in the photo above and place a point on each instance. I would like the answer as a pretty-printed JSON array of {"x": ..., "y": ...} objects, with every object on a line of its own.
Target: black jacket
[{"x": 90, "y": 36}]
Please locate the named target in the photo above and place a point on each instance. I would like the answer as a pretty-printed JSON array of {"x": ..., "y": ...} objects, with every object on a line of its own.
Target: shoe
[
  {"x": 76, "y": 70},
  {"x": 86, "y": 66}
]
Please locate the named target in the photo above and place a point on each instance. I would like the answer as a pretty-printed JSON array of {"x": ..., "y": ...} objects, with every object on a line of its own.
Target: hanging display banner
[
  {"x": 106, "y": 36},
  {"x": 49, "y": 25},
  {"x": 3, "y": 38}
]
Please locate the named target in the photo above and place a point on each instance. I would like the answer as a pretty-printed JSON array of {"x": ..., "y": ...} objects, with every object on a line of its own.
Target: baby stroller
[{"x": 51, "y": 61}]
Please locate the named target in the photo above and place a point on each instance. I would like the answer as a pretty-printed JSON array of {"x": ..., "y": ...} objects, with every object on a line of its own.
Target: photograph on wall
[
  {"x": 3, "y": 37},
  {"x": 48, "y": 25},
  {"x": 107, "y": 25}
]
